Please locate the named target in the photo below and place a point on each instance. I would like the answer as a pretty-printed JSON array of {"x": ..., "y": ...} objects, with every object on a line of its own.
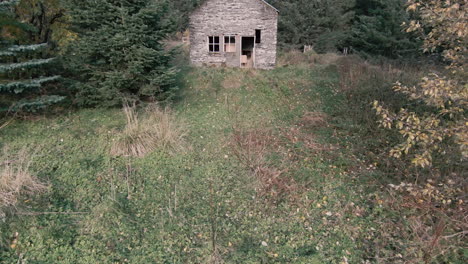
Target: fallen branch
[
  {"x": 6, "y": 124},
  {"x": 456, "y": 234}
]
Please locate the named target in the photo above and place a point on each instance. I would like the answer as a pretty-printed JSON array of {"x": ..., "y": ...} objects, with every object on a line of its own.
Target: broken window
[
  {"x": 213, "y": 44},
  {"x": 229, "y": 44},
  {"x": 258, "y": 36}
]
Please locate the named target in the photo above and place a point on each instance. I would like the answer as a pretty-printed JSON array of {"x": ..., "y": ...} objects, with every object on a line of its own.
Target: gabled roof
[{"x": 265, "y": 2}]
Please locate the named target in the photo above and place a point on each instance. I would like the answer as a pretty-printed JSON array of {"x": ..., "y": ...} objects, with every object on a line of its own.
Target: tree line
[
  {"x": 94, "y": 53},
  {"x": 83, "y": 52}
]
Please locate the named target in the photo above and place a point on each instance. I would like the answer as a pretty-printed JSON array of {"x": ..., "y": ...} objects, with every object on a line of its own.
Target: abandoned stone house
[{"x": 234, "y": 33}]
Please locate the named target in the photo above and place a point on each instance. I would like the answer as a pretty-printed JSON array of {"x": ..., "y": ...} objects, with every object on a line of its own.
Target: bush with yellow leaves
[{"x": 444, "y": 97}]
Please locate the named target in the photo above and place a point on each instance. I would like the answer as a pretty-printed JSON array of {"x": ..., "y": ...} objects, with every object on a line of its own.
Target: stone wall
[{"x": 238, "y": 18}]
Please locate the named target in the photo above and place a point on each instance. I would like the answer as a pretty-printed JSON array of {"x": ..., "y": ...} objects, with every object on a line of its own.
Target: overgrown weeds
[
  {"x": 16, "y": 180},
  {"x": 298, "y": 58},
  {"x": 432, "y": 223},
  {"x": 252, "y": 149},
  {"x": 313, "y": 119},
  {"x": 272, "y": 155},
  {"x": 154, "y": 128},
  {"x": 361, "y": 83}
]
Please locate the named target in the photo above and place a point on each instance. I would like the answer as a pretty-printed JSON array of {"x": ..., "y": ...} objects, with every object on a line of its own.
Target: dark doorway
[{"x": 247, "y": 52}]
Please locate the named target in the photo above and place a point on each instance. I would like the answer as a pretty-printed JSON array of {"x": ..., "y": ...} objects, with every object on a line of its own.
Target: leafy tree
[
  {"x": 119, "y": 51},
  {"x": 377, "y": 29},
  {"x": 444, "y": 95},
  {"x": 21, "y": 72}
]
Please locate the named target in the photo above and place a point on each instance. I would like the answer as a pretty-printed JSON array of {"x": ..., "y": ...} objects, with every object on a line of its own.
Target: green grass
[{"x": 200, "y": 205}]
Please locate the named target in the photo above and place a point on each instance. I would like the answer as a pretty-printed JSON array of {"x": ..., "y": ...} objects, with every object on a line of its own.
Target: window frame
[
  {"x": 212, "y": 44},
  {"x": 230, "y": 38}
]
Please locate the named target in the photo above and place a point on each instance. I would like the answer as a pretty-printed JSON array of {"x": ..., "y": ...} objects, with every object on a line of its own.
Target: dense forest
[
  {"x": 65, "y": 36},
  {"x": 352, "y": 152}
]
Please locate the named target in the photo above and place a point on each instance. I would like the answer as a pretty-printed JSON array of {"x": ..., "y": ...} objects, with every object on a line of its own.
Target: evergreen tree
[
  {"x": 21, "y": 68},
  {"x": 119, "y": 51},
  {"x": 181, "y": 10},
  {"x": 377, "y": 29},
  {"x": 322, "y": 23}
]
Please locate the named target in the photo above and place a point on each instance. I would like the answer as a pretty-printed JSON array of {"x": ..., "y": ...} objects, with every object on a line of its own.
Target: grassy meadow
[{"x": 264, "y": 167}]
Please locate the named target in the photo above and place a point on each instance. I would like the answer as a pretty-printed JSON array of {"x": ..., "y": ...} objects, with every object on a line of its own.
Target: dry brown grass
[
  {"x": 155, "y": 128},
  {"x": 354, "y": 71},
  {"x": 296, "y": 57},
  {"x": 255, "y": 147},
  {"x": 295, "y": 135},
  {"x": 436, "y": 220},
  {"x": 251, "y": 148},
  {"x": 314, "y": 120},
  {"x": 233, "y": 81},
  {"x": 16, "y": 179}
]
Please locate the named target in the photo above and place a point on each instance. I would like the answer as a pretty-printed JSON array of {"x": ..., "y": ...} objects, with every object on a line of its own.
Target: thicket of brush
[{"x": 430, "y": 201}]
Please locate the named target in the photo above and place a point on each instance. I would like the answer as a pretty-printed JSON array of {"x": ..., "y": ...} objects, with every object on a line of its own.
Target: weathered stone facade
[{"x": 252, "y": 24}]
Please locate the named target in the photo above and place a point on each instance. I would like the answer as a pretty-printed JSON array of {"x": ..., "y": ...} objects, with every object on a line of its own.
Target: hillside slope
[{"x": 264, "y": 176}]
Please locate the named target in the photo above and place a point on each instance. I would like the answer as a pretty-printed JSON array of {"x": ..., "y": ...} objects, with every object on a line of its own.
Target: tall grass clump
[
  {"x": 16, "y": 180},
  {"x": 153, "y": 128}
]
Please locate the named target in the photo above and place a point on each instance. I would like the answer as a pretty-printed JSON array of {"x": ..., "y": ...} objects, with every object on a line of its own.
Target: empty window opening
[
  {"x": 258, "y": 36},
  {"x": 213, "y": 44},
  {"x": 229, "y": 44}
]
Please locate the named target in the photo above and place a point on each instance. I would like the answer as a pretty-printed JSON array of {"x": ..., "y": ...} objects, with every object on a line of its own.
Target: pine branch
[
  {"x": 20, "y": 86},
  {"x": 24, "y": 65},
  {"x": 35, "y": 104},
  {"x": 9, "y": 3},
  {"x": 11, "y": 51}
]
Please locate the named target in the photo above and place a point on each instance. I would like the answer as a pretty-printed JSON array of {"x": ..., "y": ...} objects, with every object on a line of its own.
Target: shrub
[
  {"x": 445, "y": 97},
  {"x": 155, "y": 128}
]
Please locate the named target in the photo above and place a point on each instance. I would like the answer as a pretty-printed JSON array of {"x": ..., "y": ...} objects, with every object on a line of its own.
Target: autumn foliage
[{"x": 443, "y": 96}]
